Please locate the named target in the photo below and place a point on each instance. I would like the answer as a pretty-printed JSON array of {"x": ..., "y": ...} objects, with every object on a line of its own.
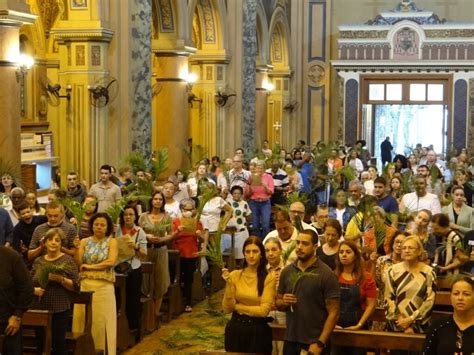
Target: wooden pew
[
  {"x": 443, "y": 298},
  {"x": 172, "y": 300},
  {"x": 366, "y": 339},
  {"x": 148, "y": 320},
  {"x": 34, "y": 319},
  {"x": 229, "y": 257},
  {"x": 79, "y": 343},
  {"x": 124, "y": 337}
]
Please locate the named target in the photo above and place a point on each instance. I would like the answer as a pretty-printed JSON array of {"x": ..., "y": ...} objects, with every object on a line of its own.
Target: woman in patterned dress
[
  {"x": 410, "y": 290},
  {"x": 96, "y": 258}
]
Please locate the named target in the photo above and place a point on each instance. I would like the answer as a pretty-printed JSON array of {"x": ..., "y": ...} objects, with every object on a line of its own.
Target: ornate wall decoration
[
  {"x": 95, "y": 55},
  {"x": 316, "y": 74},
  {"x": 470, "y": 140},
  {"x": 165, "y": 9},
  {"x": 276, "y": 46},
  {"x": 460, "y": 114},
  {"x": 208, "y": 21},
  {"x": 406, "y": 44},
  {"x": 449, "y": 33},
  {"x": 49, "y": 12},
  {"x": 363, "y": 34},
  {"x": 80, "y": 55}
]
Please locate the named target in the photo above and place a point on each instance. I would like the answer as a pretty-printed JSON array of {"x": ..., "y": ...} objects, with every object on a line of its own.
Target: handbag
[{"x": 124, "y": 268}]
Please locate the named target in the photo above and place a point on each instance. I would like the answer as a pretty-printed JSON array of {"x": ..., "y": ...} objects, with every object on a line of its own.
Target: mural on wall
[
  {"x": 166, "y": 16},
  {"x": 208, "y": 21},
  {"x": 80, "y": 55}
]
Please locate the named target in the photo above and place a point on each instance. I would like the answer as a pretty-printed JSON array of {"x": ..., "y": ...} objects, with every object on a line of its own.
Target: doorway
[
  {"x": 408, "y": 125},
  {"x": 409, "y": 110}
]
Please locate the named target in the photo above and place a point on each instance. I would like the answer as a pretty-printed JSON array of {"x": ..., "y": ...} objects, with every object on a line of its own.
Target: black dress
[
  {"x": 444, "y": 337},
  {"x": 329, "y": 260}
]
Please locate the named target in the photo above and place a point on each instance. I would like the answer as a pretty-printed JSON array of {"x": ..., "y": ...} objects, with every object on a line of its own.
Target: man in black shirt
[
  {"x": 24, "y": 229},
  {"x": 16, "y": 294}
]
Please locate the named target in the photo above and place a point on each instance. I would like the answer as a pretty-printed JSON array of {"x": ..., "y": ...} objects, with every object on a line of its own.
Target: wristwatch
[{"x": 320, "y": 343}]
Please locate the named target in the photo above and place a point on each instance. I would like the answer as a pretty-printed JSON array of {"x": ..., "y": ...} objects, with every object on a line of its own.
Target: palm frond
[
  {"x": 287, "y": 253},
  {"x": 47, "y": 268},
  {"x": 206, "y": 194},
  {"x": 160, "y": 162},
  {"x": 161, "y": 228},
  {"x": 348, "y": 172},
  {"x": 135, "y": 160},
  {"x": 9, "y": 168},
  {"x": 76, "y": 208},
  {"x": 297, "y": 197},
  {"x": 117, "y": 207}
]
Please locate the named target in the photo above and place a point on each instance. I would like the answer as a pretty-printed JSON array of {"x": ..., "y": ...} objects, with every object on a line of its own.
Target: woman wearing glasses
[
  {"x": 410, "y": 290},
  {"x": 454, "y": 334}
]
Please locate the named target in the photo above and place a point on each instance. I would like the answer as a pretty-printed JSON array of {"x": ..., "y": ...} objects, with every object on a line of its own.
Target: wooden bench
[
  {"x": 31, "y": 320},
  {"x": 229, "y": 257},
  {"x": 79, "y": 343},
  {"x": 443, "y": 298},
  {"x": 365, "y": 339},
  {"x": 172, "y": 300},
  {"x": 124, "y": 337},
  {"x": 198, "y": 289},
  {"x": 148, "y": 320}
]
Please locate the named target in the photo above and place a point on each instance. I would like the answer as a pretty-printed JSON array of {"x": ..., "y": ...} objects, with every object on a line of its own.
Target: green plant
[
  {"x": 77, "y": 209},
  {"x": 135, "y": 160},
  {"x": 296, "y": 277},
  {"x": 159, "y": 162},
  {"x": 161, "y": 228},
  {"x": 287, "y": 252},
  {"x": 49, "y": 268}
]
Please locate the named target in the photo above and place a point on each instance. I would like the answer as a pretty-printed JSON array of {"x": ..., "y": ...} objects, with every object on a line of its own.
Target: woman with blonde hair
[{"x": 410, "y": 290}]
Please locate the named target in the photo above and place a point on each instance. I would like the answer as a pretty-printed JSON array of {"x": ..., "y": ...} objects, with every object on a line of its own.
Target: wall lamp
[
  {"x": 54, "y": 90},
  {"x": 267, "y": 87},
  {"x": 24, "y": 63},
  {"x": 191, "y": 78}
]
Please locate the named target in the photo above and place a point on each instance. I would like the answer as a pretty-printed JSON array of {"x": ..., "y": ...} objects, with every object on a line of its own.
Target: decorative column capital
[{"x": 82, "y": 34}]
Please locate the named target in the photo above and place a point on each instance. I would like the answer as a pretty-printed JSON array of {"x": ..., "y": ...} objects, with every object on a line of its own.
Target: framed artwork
[{"x": 79, "y": 4}]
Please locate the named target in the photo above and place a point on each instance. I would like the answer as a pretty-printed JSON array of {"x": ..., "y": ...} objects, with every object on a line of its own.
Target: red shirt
[
  {"x": 186, "y": 242},
  {"x": 367, "y": 288}
]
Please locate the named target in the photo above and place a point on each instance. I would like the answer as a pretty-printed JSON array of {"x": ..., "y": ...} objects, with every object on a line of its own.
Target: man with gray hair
[
  {"x": 17, "y": 197},
  {"x": 356, "y": 192},
  {"x": 55, "y": 214}
]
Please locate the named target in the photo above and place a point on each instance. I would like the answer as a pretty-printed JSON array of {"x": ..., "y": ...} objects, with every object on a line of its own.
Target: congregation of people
[{"x": 321, "y": 237}]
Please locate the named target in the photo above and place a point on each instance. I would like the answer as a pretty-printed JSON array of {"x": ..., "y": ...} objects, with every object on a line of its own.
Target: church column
[
  {"x": 140, "y": 69},
  {"x": 14, "y": 14},
  {"x": 249, "y": 53},
  {"x": 170, "y": 107}
]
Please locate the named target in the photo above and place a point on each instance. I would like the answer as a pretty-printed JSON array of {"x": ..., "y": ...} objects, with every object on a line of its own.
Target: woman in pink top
[{"x": 258, "y": 192}]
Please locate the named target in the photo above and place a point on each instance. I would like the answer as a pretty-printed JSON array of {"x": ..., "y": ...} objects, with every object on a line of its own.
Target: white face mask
[{"x": 187, "y": 214}]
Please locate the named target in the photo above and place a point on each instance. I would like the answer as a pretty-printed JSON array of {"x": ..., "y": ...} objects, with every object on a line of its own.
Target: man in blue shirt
[
  {"x": 386, "y": 201},
  {"x": 6, "y": 228}
]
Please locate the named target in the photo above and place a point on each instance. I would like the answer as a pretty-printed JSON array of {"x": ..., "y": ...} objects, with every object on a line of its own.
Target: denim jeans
[{"x": 261, "y": 213}]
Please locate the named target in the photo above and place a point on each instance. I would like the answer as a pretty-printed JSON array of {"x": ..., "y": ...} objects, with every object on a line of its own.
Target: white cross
[{"x": 277, "y": 126}]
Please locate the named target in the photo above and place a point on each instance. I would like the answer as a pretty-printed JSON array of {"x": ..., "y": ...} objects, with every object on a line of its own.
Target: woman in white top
[
  {"x": 211, "y": 213},
  {"x": 354, "y": 162},
  {"x": 193, "y": 182}
]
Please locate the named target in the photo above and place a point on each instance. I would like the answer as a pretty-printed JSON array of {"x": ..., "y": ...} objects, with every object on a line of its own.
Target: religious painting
[{"x": 78, "y": 4}]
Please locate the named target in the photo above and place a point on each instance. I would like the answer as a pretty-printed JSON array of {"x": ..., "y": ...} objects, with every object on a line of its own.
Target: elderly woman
[
  {"x": 328, "y": 252},
  {"x": 259, "y": 191},
  {"x": 454, "y": 334},
  {"x": 96, "y": 258},
  {"x": 461, "y": 216},
  {"x": 410, "y": 290},
  {"x": 54, "y": 295}
]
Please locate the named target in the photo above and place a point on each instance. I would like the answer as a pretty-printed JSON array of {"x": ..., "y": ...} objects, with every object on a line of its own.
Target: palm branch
[
  {"x": 286, "y": 254},
  {"x": 135, "y": 160},
  {"x": 347, "y": 171},
  {"x": 207, "y": 193},
  {"x": 297, "y": 197},
  {"x": 295, "y": 278},
  {"x": 213, "y": 250},
  {"x": 77, "y": 209},
  {"x": 9, "y": 168},
  {"x": 118, "y": 206},
  {"x": 46, "y": 269},
  {"x": 162, "y": 227},
  {"x": 160, "y": 162}
]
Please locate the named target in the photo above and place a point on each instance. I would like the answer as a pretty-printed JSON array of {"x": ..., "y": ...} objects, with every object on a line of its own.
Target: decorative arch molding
[
  {"x": 263, "y": 37},
  {"x": 217, "y": 9},
  {"x": 279, "y": 24}
]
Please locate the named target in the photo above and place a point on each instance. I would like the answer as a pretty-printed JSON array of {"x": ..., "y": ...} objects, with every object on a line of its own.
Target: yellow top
[{"x": 241, "y": 294}]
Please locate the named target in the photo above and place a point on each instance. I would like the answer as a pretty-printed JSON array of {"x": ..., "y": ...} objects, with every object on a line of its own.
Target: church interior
[{"x": 90, "y": 81}]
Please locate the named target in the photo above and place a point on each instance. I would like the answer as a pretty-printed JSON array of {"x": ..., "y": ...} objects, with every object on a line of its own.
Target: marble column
[
  {"x": 140, "y": 63},
  {"x": 249, "y": 53},
  {"x": 170, "y": 108}
]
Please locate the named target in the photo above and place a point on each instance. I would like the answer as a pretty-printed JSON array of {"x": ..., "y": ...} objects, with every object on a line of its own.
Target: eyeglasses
[{"x": 410, "y": 248}]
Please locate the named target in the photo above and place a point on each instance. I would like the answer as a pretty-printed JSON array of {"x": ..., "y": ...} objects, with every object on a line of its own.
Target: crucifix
[{"x": 277, "y": 126}]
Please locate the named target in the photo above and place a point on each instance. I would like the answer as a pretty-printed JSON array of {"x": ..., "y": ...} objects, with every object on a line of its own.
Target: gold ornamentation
[
  {"x": 49, "y": 11},
  {"x": 80, "y": 55},
  {"x": 363, "y": 34},
  {"x": 166, "y": 16},
  {"x": 276, "y": 47},
  {"x": 95, "y": 55},
  {"x": 454, "y": 33},
  {"x": 208, "y": 21}
]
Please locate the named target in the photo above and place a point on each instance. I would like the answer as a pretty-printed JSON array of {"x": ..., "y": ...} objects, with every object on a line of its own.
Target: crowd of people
[{"x": 321, "y": 238}]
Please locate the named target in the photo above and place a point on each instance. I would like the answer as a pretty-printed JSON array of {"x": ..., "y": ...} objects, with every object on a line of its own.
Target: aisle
[{"x": 202, "y": 329}]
